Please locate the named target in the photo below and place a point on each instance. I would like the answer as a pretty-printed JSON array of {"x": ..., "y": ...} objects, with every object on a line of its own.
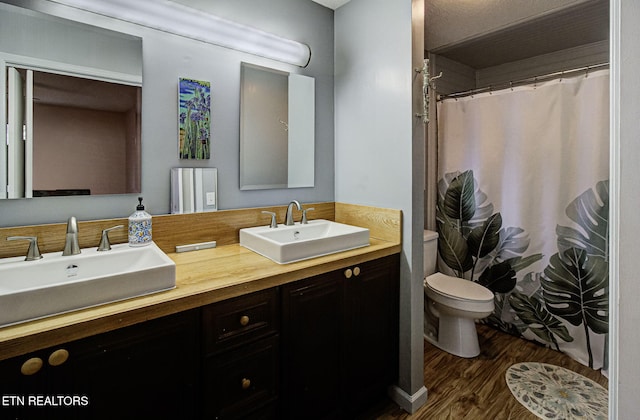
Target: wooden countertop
[{"x": 202, "y": 277}]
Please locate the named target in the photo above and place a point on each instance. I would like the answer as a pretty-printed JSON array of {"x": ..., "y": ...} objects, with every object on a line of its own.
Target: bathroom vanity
[
  {"x": 240, "y": 336},
  {"x": 323, "y": 345}
]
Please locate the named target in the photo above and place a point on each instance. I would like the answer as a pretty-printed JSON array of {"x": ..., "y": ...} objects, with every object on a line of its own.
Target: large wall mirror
[
  {"x": 72, "y": 107},
  {"x": 277, "y": 126}
]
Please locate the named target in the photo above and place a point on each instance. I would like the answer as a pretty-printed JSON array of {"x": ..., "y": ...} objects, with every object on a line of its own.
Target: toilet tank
[{"x": 430, "y": 252}]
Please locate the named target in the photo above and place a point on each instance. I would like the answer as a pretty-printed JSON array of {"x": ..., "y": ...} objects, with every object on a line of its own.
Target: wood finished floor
[{"x": 475, "y": 389}]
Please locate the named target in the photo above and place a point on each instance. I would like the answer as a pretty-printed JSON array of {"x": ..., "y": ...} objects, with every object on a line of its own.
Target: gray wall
[
  {"x": 166, "y": 58},
  {"x": 625, "y": 201},
  {"x": 21, "y": 33},
  {"x": 375, "y": 154}
]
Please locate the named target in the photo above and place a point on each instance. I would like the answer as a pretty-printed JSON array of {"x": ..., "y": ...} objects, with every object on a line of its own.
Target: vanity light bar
[{"x": 185, "y": 21}]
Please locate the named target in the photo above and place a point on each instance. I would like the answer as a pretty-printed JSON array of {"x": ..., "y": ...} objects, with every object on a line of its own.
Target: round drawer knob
[
  {"x": 246, "y": 383},
  {"x": 244, "y": 320},
  {"x": 356, "y": 271},
  {"x": 31, "y": 366},
  {"x": 58, "y": 357},
  {"x": 348, "y": 273}
]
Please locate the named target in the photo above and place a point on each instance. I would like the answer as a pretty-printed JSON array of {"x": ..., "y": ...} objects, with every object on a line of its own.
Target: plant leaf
[
  {"x": 483, "y": 208},
  {"x": 499, "y": 278},
  {"x": 504, "y": 317},
  {"x": 484, "y": 239},
  {"x": 531, "y": 311},
  {"x": 591, "y": 212},
  {"x": 459, "y": 201},
  {"x": 529, "y": 285},
  {"x": 513, "y": 241},
  {"x": 518, "y": 263},
  {"x": 453, "y": 248},
  {"x": 576, "y": 288}
]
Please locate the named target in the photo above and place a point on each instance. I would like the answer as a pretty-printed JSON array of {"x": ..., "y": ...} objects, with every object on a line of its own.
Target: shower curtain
[{"x": 523, "y": 207}]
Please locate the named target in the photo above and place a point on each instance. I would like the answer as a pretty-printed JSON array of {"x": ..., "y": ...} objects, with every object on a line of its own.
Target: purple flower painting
[{"x": 195, "y": 119}]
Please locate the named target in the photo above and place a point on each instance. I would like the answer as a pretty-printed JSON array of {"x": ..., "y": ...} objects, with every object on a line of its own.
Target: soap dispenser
[{"x": 139, "y": 226}]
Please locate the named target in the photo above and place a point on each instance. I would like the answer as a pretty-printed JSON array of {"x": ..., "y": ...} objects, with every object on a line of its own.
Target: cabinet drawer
[
  {"x": 236, "y": 321},
  {"x": 242, "y": 381}
]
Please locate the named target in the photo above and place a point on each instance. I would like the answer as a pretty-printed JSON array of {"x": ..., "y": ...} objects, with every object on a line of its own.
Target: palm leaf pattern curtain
[{"x": 523, "y": 204}]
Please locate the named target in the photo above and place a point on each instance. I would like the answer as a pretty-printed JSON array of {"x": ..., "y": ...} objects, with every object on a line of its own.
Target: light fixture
[{"x": 185, "y": 21}]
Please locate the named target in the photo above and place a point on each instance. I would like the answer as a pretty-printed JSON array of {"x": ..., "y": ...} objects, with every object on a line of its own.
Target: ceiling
[
  {"x": 487, "y": 33},
  {"x": 332, "y": 4},
  {"x": 579, "y": 24}
]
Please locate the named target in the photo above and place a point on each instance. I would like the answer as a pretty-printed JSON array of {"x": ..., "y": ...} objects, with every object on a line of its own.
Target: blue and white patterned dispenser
[{"x": 140, "y": 226}]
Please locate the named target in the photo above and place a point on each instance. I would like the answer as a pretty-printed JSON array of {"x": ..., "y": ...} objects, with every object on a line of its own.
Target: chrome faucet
[
  {"x": 105, "y": 244},
  {"x": 288, "y": 219},
  {"x": 71, "y": 245},
  {"x": 33, "y": 253}
]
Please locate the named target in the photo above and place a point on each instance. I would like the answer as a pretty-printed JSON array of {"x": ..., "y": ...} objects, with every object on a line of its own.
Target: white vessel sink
[
  {"x": 57, "y": 284},
  {"x": 286, "y": 244}
]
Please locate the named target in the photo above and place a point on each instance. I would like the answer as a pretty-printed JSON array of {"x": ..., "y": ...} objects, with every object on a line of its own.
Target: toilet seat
[
  {"x": 458, "y": 293},
  {"x": 457, "y": 288}
]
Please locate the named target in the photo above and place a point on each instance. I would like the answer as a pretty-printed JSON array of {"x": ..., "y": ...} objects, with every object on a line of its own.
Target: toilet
[{"x": 452, "y": 305}]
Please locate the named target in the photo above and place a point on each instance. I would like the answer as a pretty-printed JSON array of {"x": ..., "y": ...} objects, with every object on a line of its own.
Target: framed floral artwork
[{"x": 194, "y": 97}]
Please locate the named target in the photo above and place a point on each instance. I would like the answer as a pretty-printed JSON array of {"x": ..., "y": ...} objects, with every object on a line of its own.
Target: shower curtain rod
[{"x": 521, "y": 82}]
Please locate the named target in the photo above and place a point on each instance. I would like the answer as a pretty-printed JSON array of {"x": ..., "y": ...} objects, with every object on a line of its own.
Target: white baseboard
[{"x": 409, "y": 403}]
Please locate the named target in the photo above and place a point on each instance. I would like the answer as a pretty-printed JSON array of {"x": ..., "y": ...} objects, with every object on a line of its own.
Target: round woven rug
[{"x": 553, "y": 392}]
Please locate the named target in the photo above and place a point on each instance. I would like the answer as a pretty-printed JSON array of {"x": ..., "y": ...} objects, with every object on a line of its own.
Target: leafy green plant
[
  {"x": 503, "y": 316},
  {"x": 575, "y": 288},
  {"x": 590, "y": 211},
  {"x": 576, "y": 282},
  {"x": 472, "y": 241},
  {"x": 533, "y": 313}
]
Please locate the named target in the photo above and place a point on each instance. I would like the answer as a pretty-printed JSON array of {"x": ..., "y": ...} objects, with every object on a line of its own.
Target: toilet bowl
[
  {"x": 451, "y": 306},
  {"x": 457, "y": 303}
]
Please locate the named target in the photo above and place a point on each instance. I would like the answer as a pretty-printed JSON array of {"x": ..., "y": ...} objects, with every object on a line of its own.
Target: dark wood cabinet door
[
  {"x": 370, "y": 349},
  {"x": 149, "y": 370},
  {"x": 311, "y": 337},
  {"x": 31, "y": 387}
]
